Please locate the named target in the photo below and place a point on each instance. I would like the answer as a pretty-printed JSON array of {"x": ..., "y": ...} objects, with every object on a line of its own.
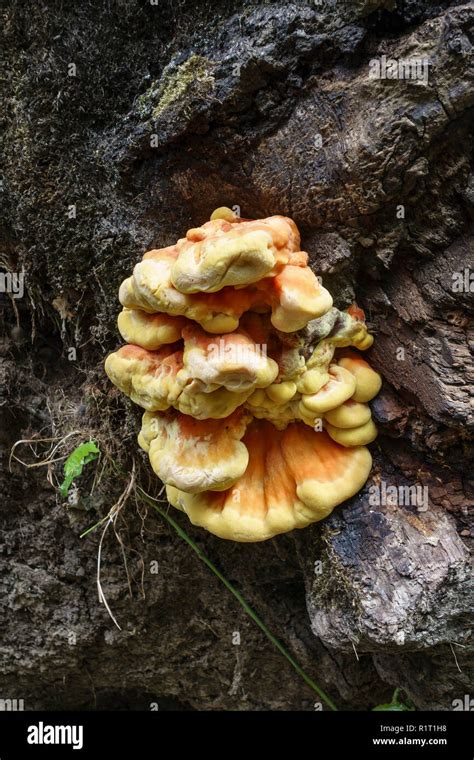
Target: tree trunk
[{"x": 126, "y": 124}]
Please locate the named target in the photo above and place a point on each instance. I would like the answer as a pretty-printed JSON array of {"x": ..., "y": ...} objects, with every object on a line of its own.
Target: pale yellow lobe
[
  {"x": 196, "y": 456},
  {"x": 150, "y": 331},
  {"x": 233, "y": 361},
  {"x": 257, "y": 398},
  {"x": 364, "y": 342},
  {"x": 280, "y": 393},
  {"x": 151, "y": 379},
  {"x": 150, "y": 289},
  {"x": 173, "y": 496},
  {"x": 233, "y": 253},
  {"x": 223, "y": 212},
  {"x": 350, "y": 414},
  {"x": 312, "y": 381},
  {"x": 358, "y": 436},
  {"x": 218, "y": 323},
  {"x": 201, "y": 404},
  {"x": 368, "y": 381},
  {"x": 213, "y": 264},
  {"x": 339, "y": 388}
]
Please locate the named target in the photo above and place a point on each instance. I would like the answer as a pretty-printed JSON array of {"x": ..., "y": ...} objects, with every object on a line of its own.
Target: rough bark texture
[{"x": 176, "y": 109}]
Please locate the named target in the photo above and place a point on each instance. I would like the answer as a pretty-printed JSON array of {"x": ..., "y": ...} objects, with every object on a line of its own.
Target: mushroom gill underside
[{"x": 256, "y": 403}]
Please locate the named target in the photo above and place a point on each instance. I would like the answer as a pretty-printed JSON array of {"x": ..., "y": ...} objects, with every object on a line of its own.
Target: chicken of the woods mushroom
[{"x": 256, "y": 403}]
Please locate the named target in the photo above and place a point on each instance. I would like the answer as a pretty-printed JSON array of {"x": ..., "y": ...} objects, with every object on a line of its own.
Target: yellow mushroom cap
[
  {"x": 363, "y": 342},
  {"x": 158, "y": 380},
  {"x": 308, "y": 417},
  {"x": 211, "y": 265},
  {"x": 294, "y": 477},
  {"x": 312, "y": 381},
  {"x": 338, "y": 389},
  {"x": 223, "y": 212},
  {"x": 357, "y": 436},
  {"x": 232, "y": 360},
  {"x": 150, "y": 331},
  {"x": 281, "y": 393},
  {"x": 197, "y": 401},
  {"x": 294, "y": 296},
  {"x": 151, "y": 290},
  {"x": 368, "y": 381},
  {"x": 350, "y": 414},
  {"x": 149, "y": 378},
  {"x": 196, "y": 455},
  {"x": 221, "y": 254}
]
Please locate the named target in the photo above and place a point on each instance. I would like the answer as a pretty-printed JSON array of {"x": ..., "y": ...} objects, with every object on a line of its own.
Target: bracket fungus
[{"x": 256, "y": 403}]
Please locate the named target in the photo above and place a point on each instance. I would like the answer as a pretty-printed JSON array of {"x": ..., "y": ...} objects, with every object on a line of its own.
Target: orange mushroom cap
[
  {"x": 294, "y": 477},
  {"x": 299, "y": 297}
]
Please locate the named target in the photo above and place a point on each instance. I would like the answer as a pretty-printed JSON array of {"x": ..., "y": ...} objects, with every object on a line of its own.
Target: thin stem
[
  {"x": 152, "y": 502},
  {"x": 93, "y": 527}
]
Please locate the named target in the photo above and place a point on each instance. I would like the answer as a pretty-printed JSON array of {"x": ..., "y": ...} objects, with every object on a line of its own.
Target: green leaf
[
  {"x": 395, "y": 705},
  {"x": 75, "y": 462}
]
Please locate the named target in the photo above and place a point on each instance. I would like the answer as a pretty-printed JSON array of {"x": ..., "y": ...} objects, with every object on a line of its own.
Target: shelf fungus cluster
[{"x": 256, "y": 404}]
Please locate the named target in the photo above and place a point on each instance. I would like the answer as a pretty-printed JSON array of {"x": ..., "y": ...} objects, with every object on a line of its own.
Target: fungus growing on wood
[
  {"x": 149, "y": 331},
  {"x": 350, "y": 414},
  {"x": 340, "y": 387},
  {"x": 292, "y": 295},
  {"x": 368, "y": 382},
  {"x": 256, "y": 408},
  {"x": 292, "y": 479},
  {"x": 196, "y": 455}
]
